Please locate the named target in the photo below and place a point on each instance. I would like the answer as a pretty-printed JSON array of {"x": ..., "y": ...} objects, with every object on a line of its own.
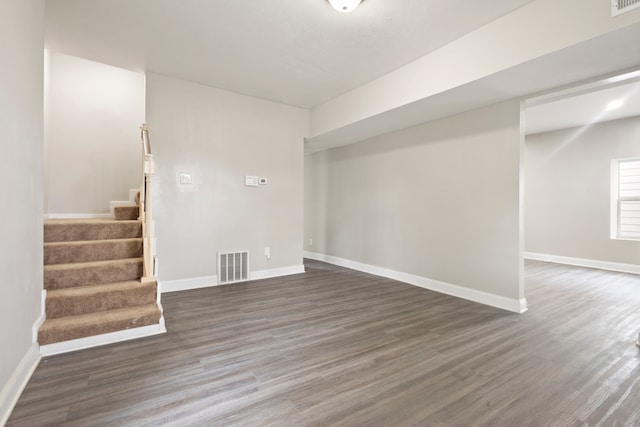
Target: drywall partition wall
[
  {"x": 92, "y": 137},
  {"x": 438, "y": 203},
  {"x": 539, "y": 28},
  {"x": 567, "y": 191},
  {"x": 218, "y": 138},
  {"x": 21, "y": 86}
]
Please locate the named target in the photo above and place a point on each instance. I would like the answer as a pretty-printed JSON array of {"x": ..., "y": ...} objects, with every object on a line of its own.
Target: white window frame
[{"x": 617, "y": 200}]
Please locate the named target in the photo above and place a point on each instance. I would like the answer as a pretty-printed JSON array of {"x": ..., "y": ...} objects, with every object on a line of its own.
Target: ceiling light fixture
[{"x": 344, "y": 5}]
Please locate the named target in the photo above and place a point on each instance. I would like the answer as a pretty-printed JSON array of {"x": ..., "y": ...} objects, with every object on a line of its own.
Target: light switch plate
[
  {"x": 185, "y": 178},
  {"x": 251, "y": 181}
]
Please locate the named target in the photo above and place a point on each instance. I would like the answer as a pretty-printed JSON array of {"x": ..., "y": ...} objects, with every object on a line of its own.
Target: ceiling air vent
[{"x": 618, "y": 7}]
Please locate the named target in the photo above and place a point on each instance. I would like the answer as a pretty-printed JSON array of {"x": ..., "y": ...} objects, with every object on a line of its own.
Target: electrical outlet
[
  {"x": 310, "y": 242},
  {"x": 267, "y": 252}
]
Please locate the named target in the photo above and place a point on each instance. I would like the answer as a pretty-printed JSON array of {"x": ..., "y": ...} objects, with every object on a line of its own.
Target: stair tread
[
  {"x": 102, "y": 316},
  {"x": 88, "y": 221},
  {"x": 94, "y": 289},
  {"x": 82, "y": 229},
  {"x": 87, "y": 242},
  {"x": 72, "y": 265},
  {"x": 78, "y": 251}
]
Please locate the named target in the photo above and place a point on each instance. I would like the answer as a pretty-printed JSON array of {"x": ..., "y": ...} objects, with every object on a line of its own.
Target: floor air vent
[
  {"x": 618, "y": 7},
  {"x": 233, "y": 267}
]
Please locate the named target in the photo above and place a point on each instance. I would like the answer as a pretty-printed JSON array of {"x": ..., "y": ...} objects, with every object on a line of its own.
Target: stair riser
[
  {"x": 51, "y": 334},
  {"x": 62, "y": 253},
  {"x": 92, "y": 275},
  {"x": 126, "y": 212},
  {"x": 67, "y": 232},
  {"x": 61, "y": 306}
]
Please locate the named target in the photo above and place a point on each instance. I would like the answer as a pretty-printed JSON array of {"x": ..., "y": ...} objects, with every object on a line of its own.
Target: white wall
[
  {"x": 21, "y": 129},
  {"x": 567, "y": 193},
  {"x": 438, "y": 201},
  {"x": 219, "y": 137},
  {"x": 92, "y": 143}
]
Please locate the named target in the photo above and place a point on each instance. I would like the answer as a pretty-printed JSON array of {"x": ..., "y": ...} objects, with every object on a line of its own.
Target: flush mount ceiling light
[{"x": 344, "y": 5}]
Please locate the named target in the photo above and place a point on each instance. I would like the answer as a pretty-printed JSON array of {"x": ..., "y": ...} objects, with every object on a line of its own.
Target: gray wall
[
  {"x": 21, "y": 89},
  {"x": 439, "y": 200},
  {"x": 92, "y": 143},
  {"x": 567, "y": 190},
  {"x": 219, "y": 137}
]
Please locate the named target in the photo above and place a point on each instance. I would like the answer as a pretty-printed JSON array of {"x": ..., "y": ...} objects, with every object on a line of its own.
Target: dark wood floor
[{"x": 335, "y": 347}]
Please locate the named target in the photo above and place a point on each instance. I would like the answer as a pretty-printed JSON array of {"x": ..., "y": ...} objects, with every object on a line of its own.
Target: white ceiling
[
  {"x": 303, "y": 53},
  {"x": 584, "y": 108},
  {"x": 298, "y": 52}
]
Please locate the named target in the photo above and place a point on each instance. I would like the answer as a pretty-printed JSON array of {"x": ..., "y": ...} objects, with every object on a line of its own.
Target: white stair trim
[
  {"x": 18, "y": 380},
  {"x": 102, "y": 339},
  {"x": 132, "y": 195},
  {"x": 40, "y": 320},
  {"x": 498, "y": 301},
  {"x": 78, "y": 216}
]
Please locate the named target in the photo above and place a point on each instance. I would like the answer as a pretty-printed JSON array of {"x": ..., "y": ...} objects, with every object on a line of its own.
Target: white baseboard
[
  {"x": 18, "y": 380},
  {"x": 209, "y": 281},
  {"x": 583, "y": 262},
  {"x": 187, "y": 284},
  {"x": 509, "y": 304},
  {"x": 277, "y": 272},
  {"x": 103, "y": 339},
  {"x": 78, "y": 216},
  {"x": 40, "y": 320}
]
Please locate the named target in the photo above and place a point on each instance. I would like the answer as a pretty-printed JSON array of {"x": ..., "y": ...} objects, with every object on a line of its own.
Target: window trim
[{"x": 616, "y": 199}]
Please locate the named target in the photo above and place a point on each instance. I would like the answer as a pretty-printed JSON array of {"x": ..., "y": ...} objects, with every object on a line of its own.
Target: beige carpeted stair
[
  {"x": 92, "y": 276},
  {"x": 91, "y": 273},
  {"x": 58, "y": 230},
  {"x": 95, "y": 250},
  {"x": 126, "y": 212},
  {"x": 85, "y": 325}
]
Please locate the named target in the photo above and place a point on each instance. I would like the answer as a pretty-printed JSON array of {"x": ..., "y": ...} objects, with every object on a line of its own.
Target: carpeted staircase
[{"x": 92, "y": 274}]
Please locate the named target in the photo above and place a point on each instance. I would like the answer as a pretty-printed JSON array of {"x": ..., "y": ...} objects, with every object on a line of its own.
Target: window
[{"x": 625, "y": 199}]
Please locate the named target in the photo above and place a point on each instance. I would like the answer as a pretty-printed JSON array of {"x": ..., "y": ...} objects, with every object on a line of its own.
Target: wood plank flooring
[{"x": 335, "y": 347}]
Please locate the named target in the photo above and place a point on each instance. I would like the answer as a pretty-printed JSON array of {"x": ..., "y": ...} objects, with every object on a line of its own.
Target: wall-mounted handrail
[{"x": 146, "y": 215}]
